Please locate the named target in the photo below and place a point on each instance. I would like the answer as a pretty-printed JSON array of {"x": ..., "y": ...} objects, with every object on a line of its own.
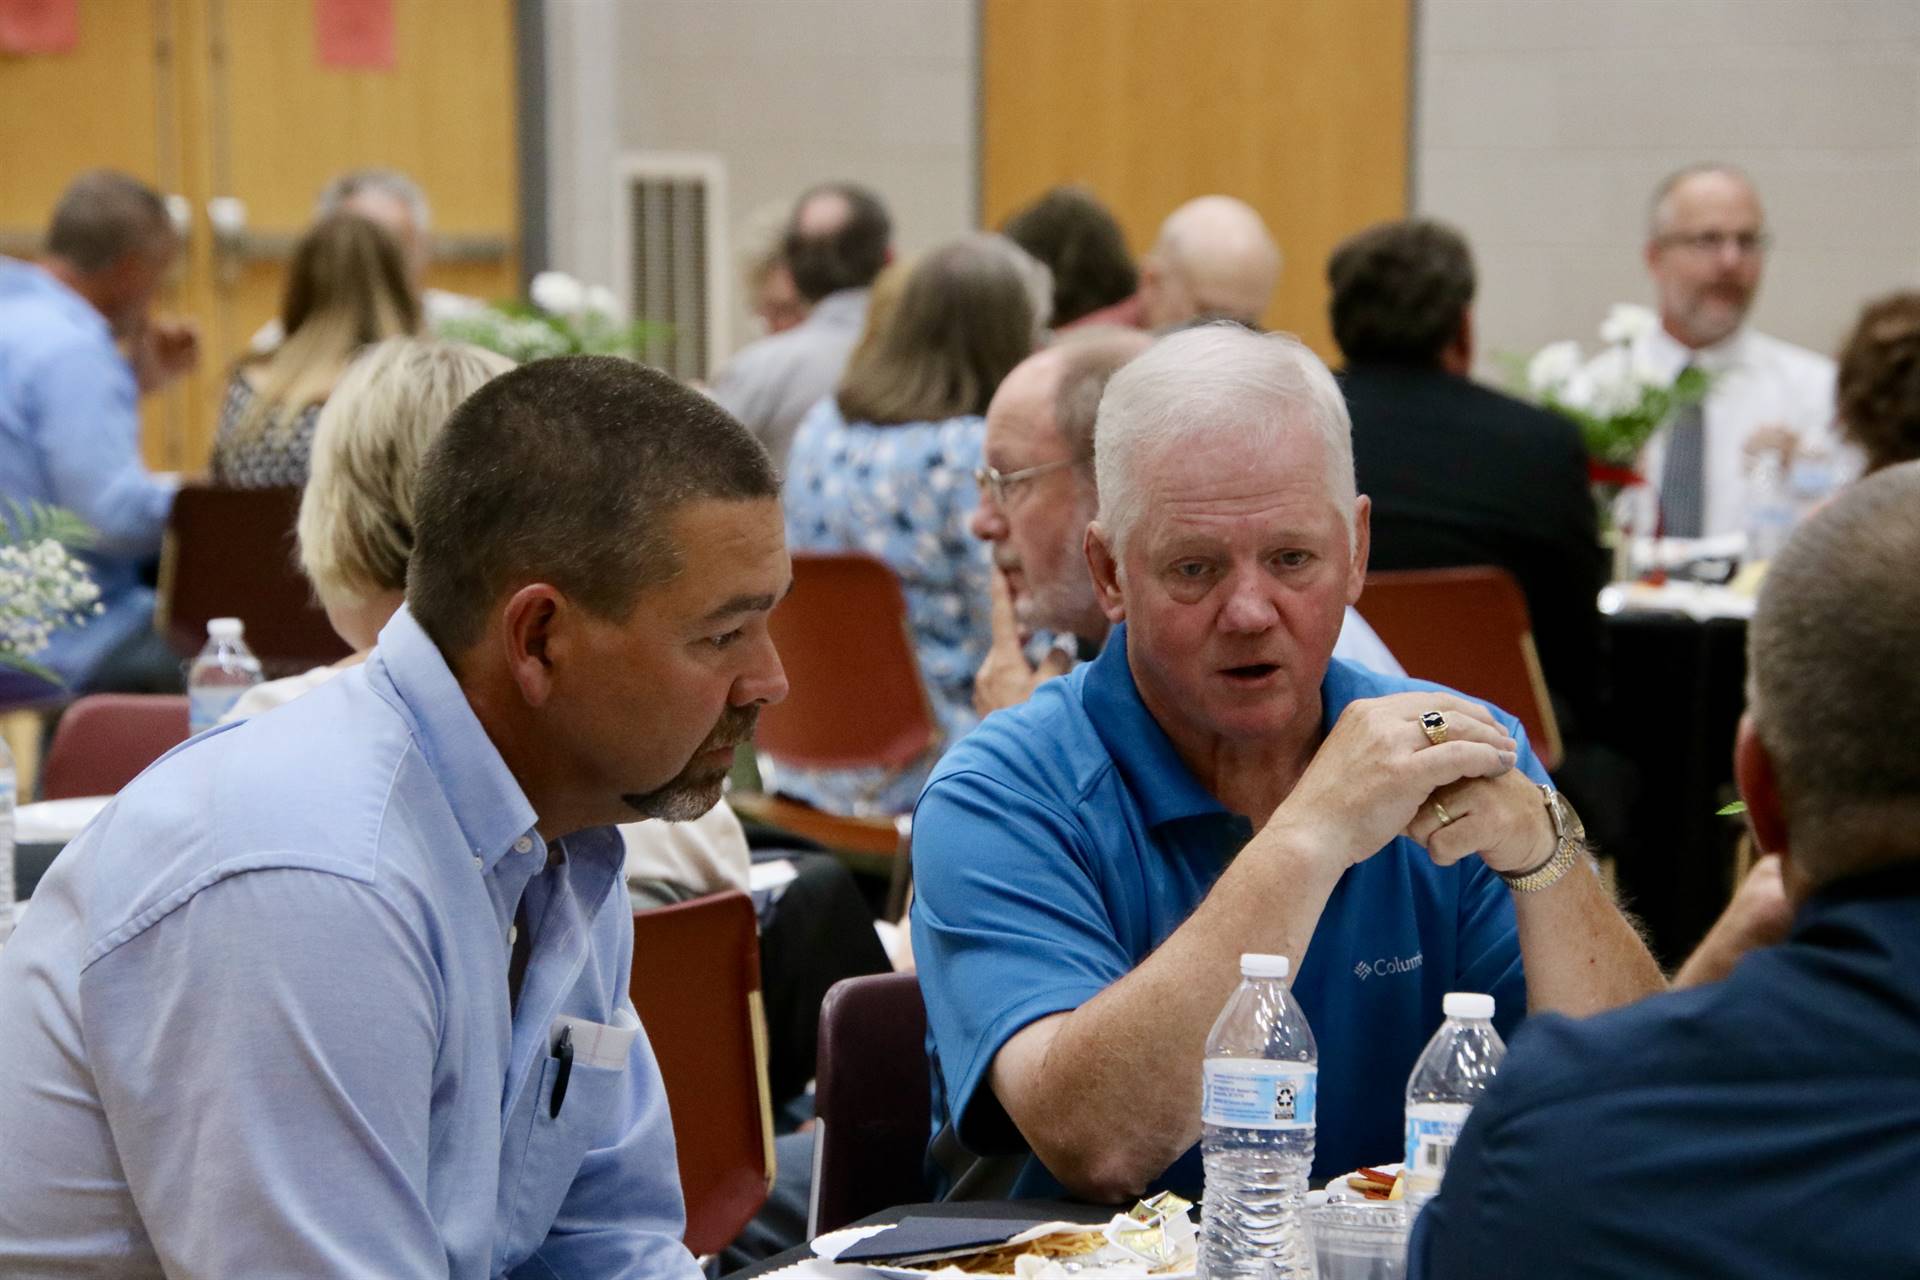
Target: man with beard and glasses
[
  {"x": 342, "y": 990},
  {"x": 1706, "y": 243}
]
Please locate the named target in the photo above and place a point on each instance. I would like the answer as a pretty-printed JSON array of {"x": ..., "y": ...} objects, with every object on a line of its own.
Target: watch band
[{"x": 1565, "y": 852}]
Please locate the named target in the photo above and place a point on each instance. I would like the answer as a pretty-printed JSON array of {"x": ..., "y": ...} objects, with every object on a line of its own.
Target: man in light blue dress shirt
[
  {"x": 70, "y": 411},
  {"x": 342, "y": 990}
]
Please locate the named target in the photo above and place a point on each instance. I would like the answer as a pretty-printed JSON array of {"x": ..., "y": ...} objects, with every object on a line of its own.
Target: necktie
[{"x": 1683, "y": 478}]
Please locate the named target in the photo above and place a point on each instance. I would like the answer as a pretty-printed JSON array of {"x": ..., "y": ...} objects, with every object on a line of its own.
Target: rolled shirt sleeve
[{"x": 87, "y": 418}]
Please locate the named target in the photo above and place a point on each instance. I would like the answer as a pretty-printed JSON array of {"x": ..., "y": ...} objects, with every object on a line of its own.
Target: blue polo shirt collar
[
  {"x": 1145, "y": 756},
  {"x": 494, "y": 814}
]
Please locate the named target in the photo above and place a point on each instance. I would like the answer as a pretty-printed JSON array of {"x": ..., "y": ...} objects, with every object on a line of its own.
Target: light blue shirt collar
[{"x": 492, "y": 810}]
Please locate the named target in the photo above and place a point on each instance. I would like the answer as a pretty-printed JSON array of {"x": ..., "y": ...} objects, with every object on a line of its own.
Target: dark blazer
[{"x": 1460, "y": 474}]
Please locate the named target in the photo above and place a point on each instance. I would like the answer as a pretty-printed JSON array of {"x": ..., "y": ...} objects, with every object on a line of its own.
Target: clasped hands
[{"x": 1378, "y": 775}]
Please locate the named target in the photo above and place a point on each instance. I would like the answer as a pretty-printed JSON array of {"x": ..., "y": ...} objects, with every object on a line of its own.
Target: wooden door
[
  {"x": 113, "y": 102},
  {"x": 227, "y": 98},
  {"x": 1299, "y": 107}
]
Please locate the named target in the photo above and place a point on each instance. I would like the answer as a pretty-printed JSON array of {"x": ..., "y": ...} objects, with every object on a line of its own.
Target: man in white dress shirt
[{"x": 1706, "y": 244}]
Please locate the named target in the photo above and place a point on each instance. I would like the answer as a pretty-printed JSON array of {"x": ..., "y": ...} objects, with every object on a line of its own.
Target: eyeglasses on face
[
  {"x": 1715, "y": 243},
  {"x": 999, "y": 484}
]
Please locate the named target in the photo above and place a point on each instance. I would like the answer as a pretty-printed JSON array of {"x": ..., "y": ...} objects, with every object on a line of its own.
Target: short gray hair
[
  {"x": 1831, "y": 680},
  {"x": 1657, "y": 213},
  {"x": 389, "y": 182},
  {"x": 1201, "y": 381}
]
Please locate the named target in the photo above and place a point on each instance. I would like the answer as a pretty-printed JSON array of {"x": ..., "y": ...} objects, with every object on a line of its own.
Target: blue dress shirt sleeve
[
  {"x": 88, "y": 421},
  {"x": 271, "y": 1107}
]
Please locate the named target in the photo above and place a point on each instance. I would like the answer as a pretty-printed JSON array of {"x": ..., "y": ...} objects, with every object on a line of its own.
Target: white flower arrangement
[
  {"x": 44, "y": 587},
  {"x": 562, "y": 317},
  {"x": 1618, "y": 398}
]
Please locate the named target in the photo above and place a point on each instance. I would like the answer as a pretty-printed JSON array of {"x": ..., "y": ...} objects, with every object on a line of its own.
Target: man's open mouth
[{"x": 1252, "y": 671}]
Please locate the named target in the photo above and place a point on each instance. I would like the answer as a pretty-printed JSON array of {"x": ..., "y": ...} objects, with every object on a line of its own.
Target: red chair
[
  {"x": 1467, "y": 628},
  {"x": 872, "y": 1100},
  {"x": 696, "y": 985},
  {"x": 230, "y": 553},
  {"x": 854, "y": 699},
  {"x": 105, "y": 740}
]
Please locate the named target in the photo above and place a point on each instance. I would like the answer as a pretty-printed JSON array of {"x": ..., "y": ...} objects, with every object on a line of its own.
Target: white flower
[
  {"x": 557, "y": 293},
  {"x": 601, "y": 299},
  {"x": 1614, "y": 389},
  {"x": 1646, "y": 370},
  {"x": 1626, "y": 323},
  {"x": 1552, "y": 366}
]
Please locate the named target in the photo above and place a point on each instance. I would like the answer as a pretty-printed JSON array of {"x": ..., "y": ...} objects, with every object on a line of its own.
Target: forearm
[
  {"x": 1582, "y": 954},
  {"x": 1113, "y": 1096}
]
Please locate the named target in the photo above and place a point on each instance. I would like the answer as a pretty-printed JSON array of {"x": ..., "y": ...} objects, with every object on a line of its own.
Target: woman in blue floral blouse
[{"x": 886, "y": 466}]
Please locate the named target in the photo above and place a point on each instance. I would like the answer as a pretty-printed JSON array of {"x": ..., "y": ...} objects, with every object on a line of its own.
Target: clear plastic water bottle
[
  {"x": 1454, "y": 1070},
  {"x": 9, "y": 789},
  {"x": 1257, "y": 1113},
  {"x": 225, "y": 669},
  {"x": 1770, "y": 509}
]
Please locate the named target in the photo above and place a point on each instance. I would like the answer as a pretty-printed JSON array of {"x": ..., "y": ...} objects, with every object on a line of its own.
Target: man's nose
[
  {"x": 987, "y": 521},
  {"x": 765, "y": 681},
  {"x": 1249, "y": 606}
]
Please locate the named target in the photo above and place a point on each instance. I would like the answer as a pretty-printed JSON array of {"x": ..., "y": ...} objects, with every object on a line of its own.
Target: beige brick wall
[{"x": 1541, "y": 127}]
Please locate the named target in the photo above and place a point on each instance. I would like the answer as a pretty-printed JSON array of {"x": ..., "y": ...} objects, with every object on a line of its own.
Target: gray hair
[
  {"x": 1658, "y": 213},
  {"x": 1831, "y": 681},
  {"x": 103, "y": 216},
  {"x": 1201, "y": 381},
  {"x": 389, "y": 182}
]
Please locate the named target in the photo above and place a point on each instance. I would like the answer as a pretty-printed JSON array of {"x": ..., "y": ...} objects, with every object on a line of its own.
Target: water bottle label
[
  {"x": 1253, "y": 1093},
  {"x": 1432, "y": 1129}
]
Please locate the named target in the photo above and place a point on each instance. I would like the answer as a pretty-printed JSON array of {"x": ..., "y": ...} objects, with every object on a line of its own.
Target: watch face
[{"x": 1570, "y": 824}]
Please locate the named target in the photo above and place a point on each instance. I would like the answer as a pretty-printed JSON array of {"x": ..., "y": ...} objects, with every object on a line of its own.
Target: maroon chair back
[
  {"x": 105, "y": 740},
  {"x": 230, "y": 553},
  {"x": 854, "y": 692},
  {"x": 1467, "y": 628},
  {"x": 871, "y": 1097},
  {"x": 696, "y": 985}
]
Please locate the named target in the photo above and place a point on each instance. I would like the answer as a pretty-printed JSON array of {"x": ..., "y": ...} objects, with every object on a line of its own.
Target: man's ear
[
  {"x": 1760, "y": 787},
  {"x": 529, "y": 623},
  {"x": 1106, "y": 574},
  {"x": 1362, "y": 544}
]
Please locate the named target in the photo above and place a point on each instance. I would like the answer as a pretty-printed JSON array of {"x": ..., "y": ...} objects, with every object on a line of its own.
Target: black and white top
[{"x": 273, "y": 455}]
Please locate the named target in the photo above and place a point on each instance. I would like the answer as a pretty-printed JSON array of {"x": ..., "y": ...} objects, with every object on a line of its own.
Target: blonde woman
[{"x": 347, "y": 288}]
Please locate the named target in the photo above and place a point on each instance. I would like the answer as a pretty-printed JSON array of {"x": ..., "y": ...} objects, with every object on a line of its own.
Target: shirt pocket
[{"x": 556, "y": 1145}]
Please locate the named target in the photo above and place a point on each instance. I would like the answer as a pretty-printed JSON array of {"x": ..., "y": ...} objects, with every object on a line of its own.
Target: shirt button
[
  {"x": 513, "y": 934},
  {"x": 523, "y": 845},
  {"x": 479, "y": 861}
]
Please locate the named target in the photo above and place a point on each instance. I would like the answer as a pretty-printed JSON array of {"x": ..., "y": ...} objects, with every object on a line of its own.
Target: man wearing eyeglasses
[
  {"x": 1706, "y": 244},
  {"x": 1037, "y": 497}
]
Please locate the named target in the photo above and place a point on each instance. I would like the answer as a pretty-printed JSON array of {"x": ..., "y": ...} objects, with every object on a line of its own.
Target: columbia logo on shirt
[{"x": 1388, "y": 966}]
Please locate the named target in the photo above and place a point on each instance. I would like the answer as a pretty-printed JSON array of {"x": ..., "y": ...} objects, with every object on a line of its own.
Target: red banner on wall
[
  {"x": 39, "y": 26},
  {"x": 354, "y": 35}
]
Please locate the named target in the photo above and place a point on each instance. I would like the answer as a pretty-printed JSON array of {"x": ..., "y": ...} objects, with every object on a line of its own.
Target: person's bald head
[
  {"x": 1829, "y": 759},
  {"x": 838, "y": 238},
  {"x": 1214, "y": 259}
]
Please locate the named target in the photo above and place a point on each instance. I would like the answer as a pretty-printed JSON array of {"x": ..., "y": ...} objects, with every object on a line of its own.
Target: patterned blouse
[
  {"x": 274, "y": 455},
  {"x": 901, "y": 493}
]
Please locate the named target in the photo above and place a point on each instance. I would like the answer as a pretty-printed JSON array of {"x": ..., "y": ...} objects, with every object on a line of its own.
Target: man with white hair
[
  {"x": 1706, "y": 243},
  {"x": 1214, "y": 259},
  {"x": 1091, "y": 865},
  {"x": 1037, "y": 497}
]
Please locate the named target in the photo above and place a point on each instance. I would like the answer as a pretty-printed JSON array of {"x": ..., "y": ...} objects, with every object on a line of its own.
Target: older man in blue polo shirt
[
  {"x": 342, "y": 990},
  {"x": 1091, "y": 865}
]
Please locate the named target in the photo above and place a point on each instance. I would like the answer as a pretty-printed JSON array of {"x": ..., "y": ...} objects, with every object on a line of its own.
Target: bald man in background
[{"x": 1213, "y": 260}]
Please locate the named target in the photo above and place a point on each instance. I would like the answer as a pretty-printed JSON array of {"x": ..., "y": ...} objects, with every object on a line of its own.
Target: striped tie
[{"x": 1683, "y": 478}]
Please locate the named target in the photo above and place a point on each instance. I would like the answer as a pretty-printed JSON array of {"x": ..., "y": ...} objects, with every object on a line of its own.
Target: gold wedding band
[
  {"x": 1440, "y": 812},
  {"x": 1434, "y": 725}
]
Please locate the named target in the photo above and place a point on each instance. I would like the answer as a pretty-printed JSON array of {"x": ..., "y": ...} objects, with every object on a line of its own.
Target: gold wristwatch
[{"x": 1569, "y": 842}]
